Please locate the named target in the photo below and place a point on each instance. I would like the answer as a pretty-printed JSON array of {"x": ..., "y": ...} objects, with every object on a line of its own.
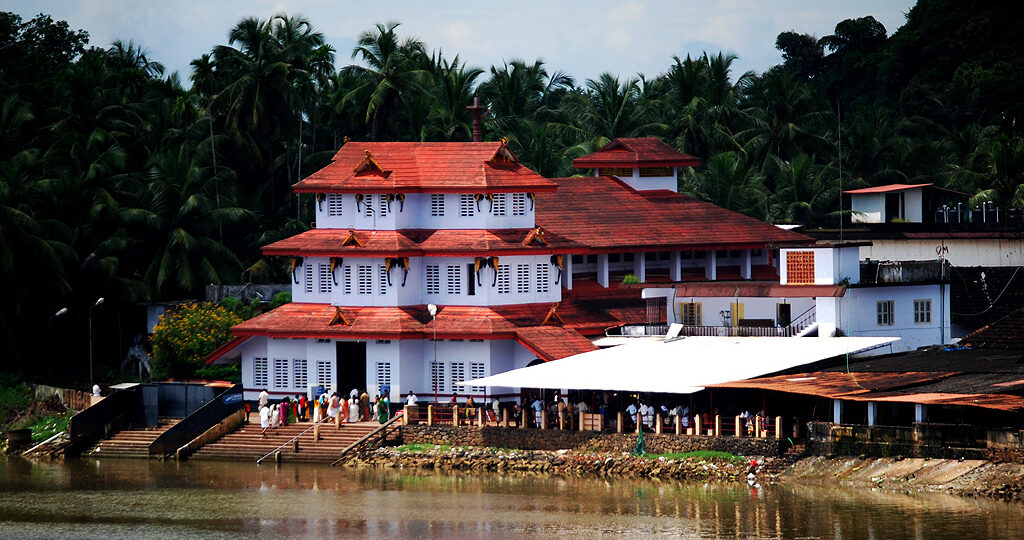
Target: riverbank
[{"x": 970, "y": 478}]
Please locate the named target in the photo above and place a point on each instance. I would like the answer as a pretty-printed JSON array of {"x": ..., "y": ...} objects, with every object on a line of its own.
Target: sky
[{"x": 581, "y": 38}]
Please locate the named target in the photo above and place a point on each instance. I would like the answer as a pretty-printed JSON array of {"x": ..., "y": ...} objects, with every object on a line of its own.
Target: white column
[
  {"x": 640, "y": 267},
  {"x": 920, "y": 412},
  {"x": 675, "y": 268},
  {"x": 602, "y": 269},
  {"x": 872, "y": 412},
  {"x": 711, "y": 265},
  {"x": 568, "y": 272},
  {"x": 837, "y": 411},
  {"x": 745, "y": 265}
]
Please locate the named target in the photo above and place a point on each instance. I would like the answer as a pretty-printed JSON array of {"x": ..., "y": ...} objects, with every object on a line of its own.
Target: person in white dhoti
[{"x": 353, "y": 409}]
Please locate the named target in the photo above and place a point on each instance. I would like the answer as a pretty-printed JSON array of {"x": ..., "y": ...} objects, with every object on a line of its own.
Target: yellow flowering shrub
[{"x": 186, "y": 334}]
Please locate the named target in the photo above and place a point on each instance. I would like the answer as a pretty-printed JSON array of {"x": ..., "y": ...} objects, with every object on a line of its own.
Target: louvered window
[
  {"x": 307, "y": 270},
  {"x": 437, "y": 204},
  {"x": 299, "y": 368},
  {"x": 458, "y": 374},
  {"x": 383, "y": 286},
  {"x": 504, "y": 286},
  {"x": 259, "y": 373},
  {"x": 383, "y": 204},
  {"x": 499, "y": 201},
  {"x": 691, "y": 314},
  {"x": 323, "y": 373},
  {"x": 383, "y": 374},
  {"x": 346, "y": 279},
  {"x": 543, "y": 279},
  {"x": 281, "y": 373},
  {"x": 518, "y": 204},
  {"x": 335, "y": 204},
  {"x": 437, "y": 378},
  {"x": 324, "y": 277},
  {"x": 522, "y": 278},
  {"x": 367, "y": 205},
  {"x": 365, "y": 279},
  {"x": 477, "y": 372},
  {"x": 466, "y": 205},
  {"x": 454, "y": 281},
  {"x": 433, "y": 279}
]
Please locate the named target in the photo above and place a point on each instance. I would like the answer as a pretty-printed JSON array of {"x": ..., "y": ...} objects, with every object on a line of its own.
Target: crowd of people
[{"x": 356, "y": 407}]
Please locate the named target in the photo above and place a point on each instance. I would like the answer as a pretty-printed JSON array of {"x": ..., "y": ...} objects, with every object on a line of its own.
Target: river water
[{"x": 125, "y": 498}]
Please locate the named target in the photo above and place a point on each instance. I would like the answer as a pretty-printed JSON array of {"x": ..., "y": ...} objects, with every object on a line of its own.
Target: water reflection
[{"x": 136, "y": 498}]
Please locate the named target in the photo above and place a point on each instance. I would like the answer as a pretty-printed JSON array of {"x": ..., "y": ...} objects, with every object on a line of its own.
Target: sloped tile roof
[
  {"x": 1005, "y": 333},
  {"x": 554, "y": 342},
  {"x": 605, "y": 213},
  {"x": 417, "y": 242},
  {"x": 636, "y": 152},
  {"x": 409, "y": 167}
]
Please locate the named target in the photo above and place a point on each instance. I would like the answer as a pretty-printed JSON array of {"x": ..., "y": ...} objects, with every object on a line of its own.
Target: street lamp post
[
  {"x": 94, "y": 306},
  {"x": 432, "y": 309}
]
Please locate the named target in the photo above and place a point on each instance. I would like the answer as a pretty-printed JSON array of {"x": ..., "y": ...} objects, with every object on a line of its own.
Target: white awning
[{"x": 680, "y": 366}]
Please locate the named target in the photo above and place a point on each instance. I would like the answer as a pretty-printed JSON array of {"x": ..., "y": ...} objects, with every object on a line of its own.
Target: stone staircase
[
  {"x": 246, "y": 444},
  {"x": 131, "y": 442}
]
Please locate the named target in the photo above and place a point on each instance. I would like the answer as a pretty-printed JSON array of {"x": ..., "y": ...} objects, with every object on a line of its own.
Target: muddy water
[{"x": 137, "y": 499}]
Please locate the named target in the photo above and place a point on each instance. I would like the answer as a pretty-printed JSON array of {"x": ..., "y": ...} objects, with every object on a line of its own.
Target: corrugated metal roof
[{"x": 887, "y": 188}]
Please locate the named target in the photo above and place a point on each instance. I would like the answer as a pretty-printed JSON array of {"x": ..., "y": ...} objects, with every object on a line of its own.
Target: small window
[
  {"x": 307, "y": 269},
  {"x": 504, "y": 285},
  {"x": 700, "y": 255},
  {"x": 663, "y": 255},
  {"x": 721, "y": 253},
  {"x": 690, "y": 313},
  {"x": 299, "y": 368},
  {"x": 687, "y": 255},
  {"x": 592, "y": 259},
  {"x": 734, "y": 253},
  {"x": 437, "y": 378},
  {"x": 437, "y": 204},
  {"x": 614, "y": 257},
  {"x": 383, "y": 204},
  {"x": 476, "y": 371},
  {"x": 922, "y": 311},
  {"x": 458, "y": 373},
  {"x": 259, "y": 373},
  {"x": 433, "y": 279},
  {"x": 577, "y": 259},
  {"x": 365, "y": 279},
  {"x": 346, "y": 279},
  {"x": 522, "y": 278},
  {"x": 322, "y": 340},
  {"x": 885, "y": 312},
  {"x": 323, "y": 373},
  {"x": 334, "y": 204},
  {"x": 467, "y": 205},
  {"x": 543, "y": 278},
  {"x": 281, "y": 373},
  {"x": 383, "y": 341},
  {"x": 383, "y": 374},
  {"x": 324, "y": 275},
  {"x": 756, "y": 252},
  {"x": 383, "y": 285},
  {"x": 650, "y": 256},
  {"x": 498, "y": 203},
  {"x": 454, "y": 281},
  {"x": 628, "y": 257},
  {"x": 368, "y": 205},
  {"x": 518, "y": 204}
]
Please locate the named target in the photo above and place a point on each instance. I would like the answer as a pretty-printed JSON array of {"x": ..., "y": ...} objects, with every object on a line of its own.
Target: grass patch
[
  {"x": 700, "y": 454},
  {"x": 424, "y": 448},
  {"x": 45, "y": 427},
  {"x": 13, "y": 399}
]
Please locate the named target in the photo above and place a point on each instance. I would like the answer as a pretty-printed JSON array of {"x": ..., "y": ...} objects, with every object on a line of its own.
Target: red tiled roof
[
  {"x": 553, "y": 342},
  {"x": 1005, "y": 333},
  {"x": 638, "y": 152},
  {"x": 408, "y": 167},
  {"x": 605, "y": 214},
  {"x": 887, "y": 188},
  {"x": 417, "y": 242}
]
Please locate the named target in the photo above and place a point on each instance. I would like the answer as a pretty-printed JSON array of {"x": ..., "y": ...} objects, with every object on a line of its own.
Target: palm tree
[
  {"x": 453, "y": 92},
  {"x": 730, "y": 181},
  {"x": 616, "y": 110},
  {"x": 393, "y": 67},
  {"x": 805, "y": 193}
]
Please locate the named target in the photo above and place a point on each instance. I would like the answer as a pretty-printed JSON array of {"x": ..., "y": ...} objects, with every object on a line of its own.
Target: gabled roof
[
  {"x": 639, "y": 152},
  {"x": 605, "y": 213},
  {"x": 435, "y": 167},
  {"x": 417, "y": 242}
]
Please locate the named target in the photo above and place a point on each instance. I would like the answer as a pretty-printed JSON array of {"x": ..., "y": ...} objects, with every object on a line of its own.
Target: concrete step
[
  {"x": 132, "y": 442},
  {"x": 248, "y": 443}
]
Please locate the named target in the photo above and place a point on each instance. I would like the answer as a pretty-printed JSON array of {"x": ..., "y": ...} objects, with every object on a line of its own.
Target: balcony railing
[{"x": 801, "y": 323}]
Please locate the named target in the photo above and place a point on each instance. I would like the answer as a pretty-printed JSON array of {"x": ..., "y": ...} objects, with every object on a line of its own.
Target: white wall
[
  {"x": 647, "y": 183},
  {"x": 871, "y": 205},
  {"x": 415, "y": 213},
  {"x": 959, "y": 252},
  {"x": 913, "y": 204},
  {"x": 858, "y": 315}
]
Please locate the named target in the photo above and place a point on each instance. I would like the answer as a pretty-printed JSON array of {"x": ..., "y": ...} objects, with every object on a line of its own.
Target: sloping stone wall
[{"x": 553, "y": 439}]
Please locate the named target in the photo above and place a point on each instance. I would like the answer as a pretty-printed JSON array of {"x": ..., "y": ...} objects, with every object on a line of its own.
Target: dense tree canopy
[{"x": 118, "y": 181}]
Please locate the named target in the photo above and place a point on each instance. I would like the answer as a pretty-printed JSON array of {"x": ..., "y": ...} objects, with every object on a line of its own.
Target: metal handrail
[
  {"x": 383, "y": 428},
  {"x": 289, "y": 441}
]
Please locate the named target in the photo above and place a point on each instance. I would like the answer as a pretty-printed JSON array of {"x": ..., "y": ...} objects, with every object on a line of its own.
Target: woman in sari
[
  {"x": 353, "y": 410},
  {"x": 383, "y": 409}
]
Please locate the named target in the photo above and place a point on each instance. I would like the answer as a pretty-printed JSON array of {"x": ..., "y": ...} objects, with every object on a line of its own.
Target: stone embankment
[{"x": 561, "y": 463}]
